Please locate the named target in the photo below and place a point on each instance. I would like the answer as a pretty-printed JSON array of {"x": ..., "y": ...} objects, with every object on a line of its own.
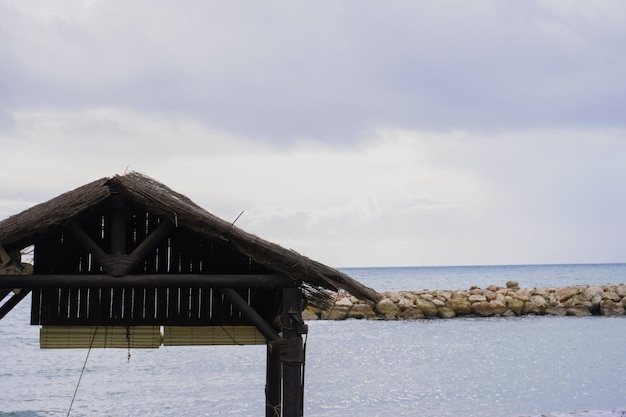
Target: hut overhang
[{"x": 127, "y": 261}]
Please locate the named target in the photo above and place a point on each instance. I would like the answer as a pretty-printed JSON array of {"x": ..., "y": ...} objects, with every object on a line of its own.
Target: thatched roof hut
[
  {"x": 130, "y": 256},
  {"x": 23, "y": 229}
]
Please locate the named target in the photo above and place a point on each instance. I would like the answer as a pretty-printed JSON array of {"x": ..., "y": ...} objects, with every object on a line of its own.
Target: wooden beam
[
  {"x": 12, "y": 302},
  {"x": 118, "y": 263},
  {"x": 118, "y": 226},
  {"x": 150, "y": 243},
  {"x": 147, "y": 281},
  {"x": 255, "y": 319},
  {"x": 86, "y": 242}
]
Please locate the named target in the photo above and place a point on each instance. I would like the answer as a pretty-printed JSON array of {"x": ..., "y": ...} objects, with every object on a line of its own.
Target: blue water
[
  {"x": 462, "y": 277},
  {"x": 531, "y": 366}
]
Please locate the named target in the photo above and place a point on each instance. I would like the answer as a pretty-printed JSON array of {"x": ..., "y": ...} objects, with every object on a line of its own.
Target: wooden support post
[
  {"x": 118, "y": 226},
  {"x": 293, "y": 354},
  {"x": 273, "y": 383},
  {"x": 152, "y": 241},
  {"x": 86, "y": 242}
]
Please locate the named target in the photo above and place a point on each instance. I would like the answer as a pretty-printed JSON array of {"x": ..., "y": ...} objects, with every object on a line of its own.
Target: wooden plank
[
  {"x": 147, "y": 280},
  {"x": 118, "y": 226},
  {"x": 35, "y": 307},
  {"x": 173, "y": 315},
  {"x": 64, "y": 302},
  {"x": 194, "y": 308},
  {"x": 162, "y": 303},
  {"x": 93, "y": 309},
  {"x": 149, "y": 304},
  {"x": 73, "y": 300},
  {"x": 127, "y": 306},
  {"x": 105, "y": 305},
  {"x": 117, "y": 301},
  {"x": 46, "y": 305},
  {"x": 83, "y": 304},
  {"x": 183, "y": 305}
]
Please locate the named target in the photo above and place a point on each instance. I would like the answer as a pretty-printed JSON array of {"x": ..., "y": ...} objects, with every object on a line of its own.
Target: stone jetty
[{"x": 493, "y": 301}]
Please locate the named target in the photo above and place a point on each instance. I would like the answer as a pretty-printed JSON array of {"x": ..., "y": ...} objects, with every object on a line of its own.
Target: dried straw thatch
[{"x": 24, "y": 229}]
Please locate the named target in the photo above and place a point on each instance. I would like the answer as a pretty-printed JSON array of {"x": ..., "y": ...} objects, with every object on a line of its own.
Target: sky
[{"x": 358, "y": 133}]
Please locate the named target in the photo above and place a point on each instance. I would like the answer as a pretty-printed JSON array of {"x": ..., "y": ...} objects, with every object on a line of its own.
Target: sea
[{"x": 474, "y": 367}]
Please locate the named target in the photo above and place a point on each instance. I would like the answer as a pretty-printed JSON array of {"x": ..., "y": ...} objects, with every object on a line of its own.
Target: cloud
[
  {"x": 399, "y": 197},
  {"x": 405, "y": 133},
  {"x": 330, "y": 71}
]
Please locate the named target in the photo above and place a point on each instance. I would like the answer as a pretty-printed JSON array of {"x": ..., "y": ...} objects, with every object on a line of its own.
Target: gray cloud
[{"x": 326, "y": 70}]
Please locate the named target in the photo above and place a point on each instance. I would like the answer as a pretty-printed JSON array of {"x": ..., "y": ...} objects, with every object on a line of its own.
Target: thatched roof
[{"x": 24, "y": 229}]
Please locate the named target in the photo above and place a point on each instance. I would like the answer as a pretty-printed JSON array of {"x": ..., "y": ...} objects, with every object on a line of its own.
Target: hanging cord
[
  {"x": 128, "y": 341},
  {"x": 231, "y": 337},
  {"x": 82, "y": 371}
]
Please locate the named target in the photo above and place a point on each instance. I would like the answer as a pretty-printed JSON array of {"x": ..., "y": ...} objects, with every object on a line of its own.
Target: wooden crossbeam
[
  {"x": 12, "y": 302},
  {"x": 250, "y": 314},
  {"x": 148, "y": 281},
  {"x": 119, "y": 264}
]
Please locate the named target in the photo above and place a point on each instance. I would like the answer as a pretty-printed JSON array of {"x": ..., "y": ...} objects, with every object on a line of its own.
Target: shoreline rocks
[{"x": 493, "y": 301}]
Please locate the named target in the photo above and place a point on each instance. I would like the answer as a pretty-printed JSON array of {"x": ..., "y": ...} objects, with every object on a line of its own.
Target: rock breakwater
[{"x": 493, "y": 301}]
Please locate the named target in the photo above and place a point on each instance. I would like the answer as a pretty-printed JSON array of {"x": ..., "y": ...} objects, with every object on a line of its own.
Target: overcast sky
[{"x": 358, "y": 133}]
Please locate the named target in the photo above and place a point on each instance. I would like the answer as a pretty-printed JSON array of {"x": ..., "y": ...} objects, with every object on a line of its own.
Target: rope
[
  {"x": 82, "y": 371},
  {"x": 276, "y": 409},
  {"x": 231, "y": 337}
]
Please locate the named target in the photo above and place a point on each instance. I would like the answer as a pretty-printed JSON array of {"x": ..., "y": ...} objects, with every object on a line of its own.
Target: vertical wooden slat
[
  {"x": 94, "y": 305},
  {"x": 162, "y": 304},
  {"x": 73, "y": 308},
  {"x": 217, "y": 307},
  {"x": 128, "y": 305},
  {"x": 173, "y": 316},
  {"x": 117, "y": 299},
  {"x": 184, "y": 304},
  {"x": 205, "y": 306},
  {"x": 174, "y": 259},
  {"x": 83, "y": 305},
  {"x": 150, "y": 260},
  {"x": 138, "y": 305},
  {"x": 163, "y": 256},
  {"x": 53, "y": 304},
  {"x": 195, "y": 305},
  {"x": 105, "y": 306},
  {"x": 35, "y": 307},
  {"x": 63, "y": 305},
  {"x": 118, "y": 226},
  {"x": 149, "y": 307}
]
